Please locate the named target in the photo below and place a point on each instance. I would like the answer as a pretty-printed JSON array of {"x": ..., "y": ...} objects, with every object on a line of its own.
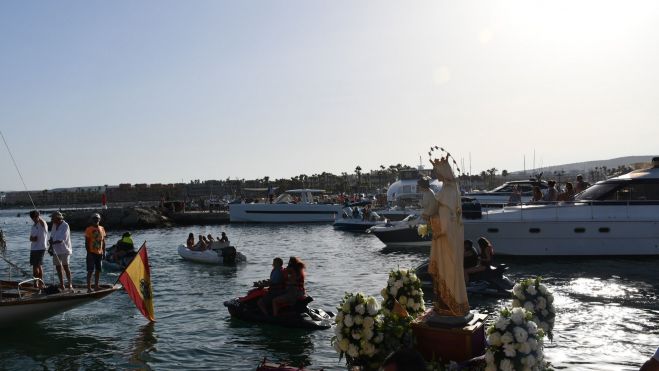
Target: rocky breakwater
[{"x": 127, "y": 218}]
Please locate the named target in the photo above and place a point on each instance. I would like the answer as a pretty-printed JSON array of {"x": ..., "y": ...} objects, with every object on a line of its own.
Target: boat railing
[
  {"x": 29, "y": 280},
  {"x": 561, "y": 207}
]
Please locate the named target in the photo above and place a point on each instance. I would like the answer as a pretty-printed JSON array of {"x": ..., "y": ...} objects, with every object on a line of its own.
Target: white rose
[
  {"x": 544, "y": 326},
  {"x": 533, "y": 344},
  {"x": 494, "y": 339},
  {"x": 360, "y": 308},
  {"x": 356, "y": 335},
  {"x": 530, "y": 360},
  {"x": 516, "y": 303},
  {"x": 406, "y": 280},
  {"x": 509, "y": 350},
  {"x": 339, "y": 318},
  {"x": 544, "y": 312},
  {"x": 384, "y": 294},
  {"x": 413, "y": 276},
  {"x": 543, "y": 289},
  {"x": 410, "y": 303},
  {"x": 542, "y": 303},
  {"x": 346, "y": 307},
  {"x": 491, "y": 367},
  {"x": 520, "y": 334},
  {"x": 403, "y": 272},
  {"x": 489, "y": 357},
  {"x": 344, "y": 344},
  {"x": 358, "y": 319},
  {"x": 415, "y": 292},
  {"x": 550, "y": 298},
  {"x": 368, "y": 322},
  {"x": 524, "y": 348},
  {"x": 531, "y": 290},
  {"x": 353, "y": 351},
  {"x": 393, "y": 290},
  {"x": 518, "y": 315},
  {"x": 372, "y": 306},
  {"x": 506, "y": 365},
  {"x": 352, "y": 299},
  {"x": 502, "y": 323},
  {"x": 368, "y": 349},
  {"x": 416, "y": 307},
  {"x": 532, "y": 327},
  {"x": 507, "y": 338},
  {"x": 402, "y": 300},
  {"x": 348, "y": 321},
  {"x": 367, "y": 333},
  {"x": 529, "y": 306},
  {"x": 518, "y": 289},
  {"x": 391, "y": 280}
]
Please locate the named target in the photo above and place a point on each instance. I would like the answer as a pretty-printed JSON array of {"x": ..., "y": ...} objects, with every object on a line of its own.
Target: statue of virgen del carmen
[{"x": 449, "y": 330}]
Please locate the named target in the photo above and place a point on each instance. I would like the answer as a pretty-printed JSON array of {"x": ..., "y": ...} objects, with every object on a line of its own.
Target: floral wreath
[
  {"x": 514, "y": 342},
  {"x": 533, "y": 296}
]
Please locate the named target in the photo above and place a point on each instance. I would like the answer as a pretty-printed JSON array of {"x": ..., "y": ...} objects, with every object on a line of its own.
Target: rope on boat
[{"x": 17, "y": 170}]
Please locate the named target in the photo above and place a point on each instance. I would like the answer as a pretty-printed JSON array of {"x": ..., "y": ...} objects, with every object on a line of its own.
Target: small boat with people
[
  {"x": 217, "y": 253},
  {"x": 118, "y": 256},
  {"x": 281, "y": 300},
  {"x": 298, "y": 315},
  {"x": 355, "y": 219},
  {"x": 21, "y": 302}
]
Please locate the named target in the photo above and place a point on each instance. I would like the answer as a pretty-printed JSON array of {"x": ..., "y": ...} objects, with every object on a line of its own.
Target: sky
[{"x": 109, "y": 92}]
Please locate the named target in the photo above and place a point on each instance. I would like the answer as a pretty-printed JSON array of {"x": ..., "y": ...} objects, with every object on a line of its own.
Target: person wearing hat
[
  {"x": 39, "y": 239},
  {"x": 95, "y": 245},
  {"x": 60, "y": 240}
]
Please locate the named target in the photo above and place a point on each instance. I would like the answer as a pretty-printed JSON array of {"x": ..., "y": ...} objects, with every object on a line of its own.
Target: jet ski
[
  {"x": 490, "y": 282},
  {"x": 298, "y": 315}
]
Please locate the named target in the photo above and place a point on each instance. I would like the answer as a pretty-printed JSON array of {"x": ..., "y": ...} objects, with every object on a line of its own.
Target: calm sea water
[{"x": 607, "y": 309}]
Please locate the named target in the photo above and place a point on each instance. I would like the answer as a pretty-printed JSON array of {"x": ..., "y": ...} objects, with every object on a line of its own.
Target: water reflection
[
  {"x": 142, "y": 346},
  {"x": 38, "y": 346},
  {"x": 278, "y": 344}
]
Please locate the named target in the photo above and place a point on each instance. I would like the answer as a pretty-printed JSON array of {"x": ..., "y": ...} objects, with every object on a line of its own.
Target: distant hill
[{"x": 587, "y": 165}]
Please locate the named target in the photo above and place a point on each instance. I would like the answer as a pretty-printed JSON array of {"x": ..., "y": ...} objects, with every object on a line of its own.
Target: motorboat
[
  {"x": 293, "y": 206},
  {"x": 500, "y": 196},
  {"x": 491, "y": 281},
  {"x": 402, "y": 233},
  {"x": 113, "y": 263},
  {"x": 405, "y": 233},
  {"x": 617, "y": 216},
  {"x": 354, "y": 220},
  {"x": 298, "y": 315},
  {"x": 21, "y": 302},
  {"x": 219, "y": 253}
]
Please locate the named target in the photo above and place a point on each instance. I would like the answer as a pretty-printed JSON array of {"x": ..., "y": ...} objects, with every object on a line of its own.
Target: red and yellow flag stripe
[{"x": 136, "y": 279}]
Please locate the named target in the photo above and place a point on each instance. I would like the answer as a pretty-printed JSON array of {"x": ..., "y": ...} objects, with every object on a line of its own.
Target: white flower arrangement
[
  {"x": 405, "y": 287},
  {"x": 357, "y": 331},
  {"x": 533, "y": 296},
  {"x": 514, "y": 342}
]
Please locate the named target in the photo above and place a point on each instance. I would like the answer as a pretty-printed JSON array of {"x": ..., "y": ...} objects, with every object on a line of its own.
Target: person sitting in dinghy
[
  {"x": 123, "y": 247},
  {"x": 294, "y": 285},
  {"x": 190, "y": 241}
]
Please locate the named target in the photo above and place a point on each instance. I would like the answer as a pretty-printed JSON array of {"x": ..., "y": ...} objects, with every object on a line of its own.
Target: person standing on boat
[
  {"x": 551, "y": 195},
  {"x": 60, "y": 239},
  {"x": 581, "y": 184},
  {"x": 39, "y": 239},
  {"x": 95, "y": 245}
]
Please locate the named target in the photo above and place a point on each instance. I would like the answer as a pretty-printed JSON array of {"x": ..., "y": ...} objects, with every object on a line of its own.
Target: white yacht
[
  {"x": 293, "y": 206},
  {"x": 500, "y": 196},
  {"x": 403, "y": 198},
  {"x": 618, "y": 216}
]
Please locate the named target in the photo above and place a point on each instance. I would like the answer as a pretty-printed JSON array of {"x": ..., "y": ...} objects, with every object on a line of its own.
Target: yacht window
[
  {"x": 534, "y": 230},
  {"x": 492, "y": 230},
  {"x": 597, "y": 192},
  {"x": 644, "y": 192},
  {"x": 604, "y": 230},
  {"x": 579, "y": 230}
]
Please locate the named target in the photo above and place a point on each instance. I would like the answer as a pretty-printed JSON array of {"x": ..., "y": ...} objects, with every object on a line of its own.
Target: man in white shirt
[
  {"x": 39, "y": 238},
  {"x": 60, "y": 236}
]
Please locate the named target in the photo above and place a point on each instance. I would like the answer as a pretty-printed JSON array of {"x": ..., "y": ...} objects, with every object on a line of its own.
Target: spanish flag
[{"x": 136, "y": 279}]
